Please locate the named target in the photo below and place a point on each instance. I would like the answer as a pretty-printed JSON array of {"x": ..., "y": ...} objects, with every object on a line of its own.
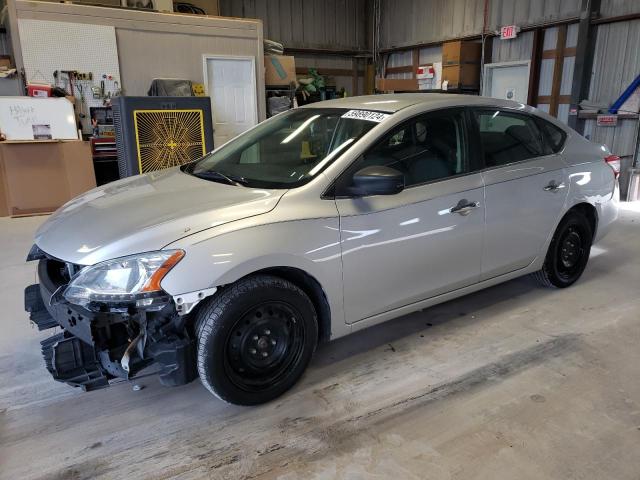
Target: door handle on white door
[
  {"x": 553, "y": 186},
  {"x": 464, "y": 207}
]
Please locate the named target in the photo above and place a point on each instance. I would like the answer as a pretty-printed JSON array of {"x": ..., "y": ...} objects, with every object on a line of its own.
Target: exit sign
[{"x": 508, "y": 32}]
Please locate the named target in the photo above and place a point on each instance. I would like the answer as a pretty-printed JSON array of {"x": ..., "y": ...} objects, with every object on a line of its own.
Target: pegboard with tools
[
  {"x": 88, "y": 91},
  {"x": 80, "y": 58}
]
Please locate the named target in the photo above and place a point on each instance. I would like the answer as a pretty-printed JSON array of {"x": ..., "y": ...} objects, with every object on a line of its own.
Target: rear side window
[
  {"x": 553, "y": 137},
  {"x": 508, "y": 137}
]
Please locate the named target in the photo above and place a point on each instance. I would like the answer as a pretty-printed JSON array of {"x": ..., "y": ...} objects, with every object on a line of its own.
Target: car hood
[{"x": 145, "y": 213}]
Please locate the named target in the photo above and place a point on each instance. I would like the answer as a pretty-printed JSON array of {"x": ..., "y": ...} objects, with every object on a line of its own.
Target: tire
[
  {"x": 568, "y": 252},
  {"x": 255, "y": 339}
]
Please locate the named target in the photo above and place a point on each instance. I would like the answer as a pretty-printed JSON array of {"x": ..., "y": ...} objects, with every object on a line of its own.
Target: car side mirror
[{"x": 377, "y": 180}]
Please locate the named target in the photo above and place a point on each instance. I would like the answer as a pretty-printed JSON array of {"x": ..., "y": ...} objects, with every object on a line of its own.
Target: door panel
[
  {"x": 231, "y": 85},
  {"x": 521, "y": 211},
  {"x": 403, "y": 248}
]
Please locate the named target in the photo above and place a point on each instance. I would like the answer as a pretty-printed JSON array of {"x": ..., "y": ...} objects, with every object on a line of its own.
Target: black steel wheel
[
  {"x": 568, "y": 252},
  {"x": 263, "y": 345},
  {"x": 255, "y": 339}
]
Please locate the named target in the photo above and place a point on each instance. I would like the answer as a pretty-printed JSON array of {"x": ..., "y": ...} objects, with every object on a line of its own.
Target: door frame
[
  {"x": 490, "y": 67},
  {"x": 205, "y": 76}
]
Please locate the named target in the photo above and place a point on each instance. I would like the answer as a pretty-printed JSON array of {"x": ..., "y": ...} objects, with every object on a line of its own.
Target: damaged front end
[{"x": 110, "y": 336}]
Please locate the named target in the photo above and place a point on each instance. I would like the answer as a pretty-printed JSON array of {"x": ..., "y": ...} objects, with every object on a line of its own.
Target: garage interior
[{"x": 514, "y": 381}]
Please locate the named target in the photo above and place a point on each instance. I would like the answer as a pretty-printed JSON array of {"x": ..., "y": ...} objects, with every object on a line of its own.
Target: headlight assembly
[{"x": 133, "y": 279}]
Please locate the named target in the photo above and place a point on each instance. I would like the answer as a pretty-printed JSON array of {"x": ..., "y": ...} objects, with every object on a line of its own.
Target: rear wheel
[
  {"x": 568, "y": 252},
  {"x": 255, "y": 339}
]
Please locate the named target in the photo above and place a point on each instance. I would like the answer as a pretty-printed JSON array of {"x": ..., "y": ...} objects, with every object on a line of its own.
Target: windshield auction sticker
[{"x": 366, "y": 115}]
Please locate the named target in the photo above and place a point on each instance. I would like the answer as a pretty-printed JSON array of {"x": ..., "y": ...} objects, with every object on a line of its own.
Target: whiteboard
[{"x": 28, "y": 118}]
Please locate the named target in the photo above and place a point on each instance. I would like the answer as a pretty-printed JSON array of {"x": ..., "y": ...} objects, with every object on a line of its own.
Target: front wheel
[
  {"x": 568, "y": 252},
  {"x": 255, "y": 339}
]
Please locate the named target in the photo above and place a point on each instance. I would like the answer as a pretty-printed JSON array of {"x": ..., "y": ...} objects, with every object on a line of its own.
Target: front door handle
[
  {"x": 464, "y": 207},
  {"x": 553, "y": 186}
]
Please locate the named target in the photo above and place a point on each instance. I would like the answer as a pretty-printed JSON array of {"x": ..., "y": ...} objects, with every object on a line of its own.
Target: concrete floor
[{"x": 513, "y": 382}]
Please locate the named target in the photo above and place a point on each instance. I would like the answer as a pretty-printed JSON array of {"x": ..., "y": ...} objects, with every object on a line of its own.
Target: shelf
[{"x": 621, "y": 116}]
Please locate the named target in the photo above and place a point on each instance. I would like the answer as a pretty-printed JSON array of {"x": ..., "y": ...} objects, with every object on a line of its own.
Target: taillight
[{"x": 614, "y": 162}]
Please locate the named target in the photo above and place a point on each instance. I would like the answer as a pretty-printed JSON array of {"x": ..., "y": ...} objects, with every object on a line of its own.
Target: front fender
[{"x": 311, "y": 245}]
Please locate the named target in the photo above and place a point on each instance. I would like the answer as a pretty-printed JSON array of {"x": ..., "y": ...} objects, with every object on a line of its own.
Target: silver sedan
[{"x": 319, "y": 222}]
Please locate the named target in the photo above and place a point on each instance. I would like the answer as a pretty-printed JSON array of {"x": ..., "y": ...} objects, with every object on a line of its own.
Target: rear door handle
[
  {"x": 553, "y": 186},
  {"x": 464, "y": 207}
]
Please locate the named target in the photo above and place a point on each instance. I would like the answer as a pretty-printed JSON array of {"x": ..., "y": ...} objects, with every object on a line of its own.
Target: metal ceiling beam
[{"x": 585, "y": 51}]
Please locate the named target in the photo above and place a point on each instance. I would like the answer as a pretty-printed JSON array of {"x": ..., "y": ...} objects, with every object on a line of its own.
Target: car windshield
[{"x": 285, "y": 151}]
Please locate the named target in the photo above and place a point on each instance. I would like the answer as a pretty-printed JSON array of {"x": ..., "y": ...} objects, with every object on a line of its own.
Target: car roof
[{"x": 394, "y": 102}]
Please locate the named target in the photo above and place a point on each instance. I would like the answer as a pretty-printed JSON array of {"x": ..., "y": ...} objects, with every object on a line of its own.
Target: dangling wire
[{"x": 375, "y": 41}]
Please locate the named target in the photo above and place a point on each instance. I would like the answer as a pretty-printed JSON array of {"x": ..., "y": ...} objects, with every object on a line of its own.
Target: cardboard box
[
  {"x": 5, "y": 61},
  {"x": 396, "y": 85},
  {"x": 279, "y": 70},
  {"x": 39, "y": 176},
  {"x": 467, "y": 75},
  {"x": 461, "y": 52},
  {"x": 433, "y": 83},
  {"x": 38, "y": 90}
]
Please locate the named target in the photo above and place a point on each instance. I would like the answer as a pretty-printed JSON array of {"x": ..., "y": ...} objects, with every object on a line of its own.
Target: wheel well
[
  {"x": 588, "y": 211},
  {"x": 312, "y": 288}
]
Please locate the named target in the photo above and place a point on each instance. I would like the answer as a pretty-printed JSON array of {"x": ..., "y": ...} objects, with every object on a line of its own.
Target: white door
[
  {"x": 507, "y": 81},
  {"x": 231, "y": 84}
]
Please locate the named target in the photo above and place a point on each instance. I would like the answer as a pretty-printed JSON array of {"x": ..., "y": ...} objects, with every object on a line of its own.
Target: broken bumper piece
[
  {"x": 95, "y": 347},
  {"x": 72, "y": 361}
]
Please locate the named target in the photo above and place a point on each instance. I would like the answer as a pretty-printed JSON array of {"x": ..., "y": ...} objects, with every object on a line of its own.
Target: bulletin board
[{"x": 48, "y": 46}]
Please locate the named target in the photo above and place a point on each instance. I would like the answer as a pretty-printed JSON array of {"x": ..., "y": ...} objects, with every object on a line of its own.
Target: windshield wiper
[{"x": 215, "y": 176}]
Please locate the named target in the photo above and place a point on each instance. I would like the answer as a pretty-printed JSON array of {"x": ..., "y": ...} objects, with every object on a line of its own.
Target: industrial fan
[{"x": 154, "y": 133}]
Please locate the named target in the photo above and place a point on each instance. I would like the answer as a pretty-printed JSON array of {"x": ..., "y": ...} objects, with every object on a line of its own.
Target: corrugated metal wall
[
  {"x": 330, "y": 24},
  {"x": 614, "y": 8},
  {"x": 519, "y": 48},
  {"x": 402, "y": 59},
  {"x": 545, "y": 80},
  {"x": 616, "y": 63},
  {"x": 620, "y": 139},
  {"x": 410, "y": 22},
  {"x": 530, "y": 12},
  {"x": 617, "y": 60}
]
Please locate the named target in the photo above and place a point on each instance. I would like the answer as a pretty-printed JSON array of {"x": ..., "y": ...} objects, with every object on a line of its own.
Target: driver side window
[{"x": 424, "y": 149}]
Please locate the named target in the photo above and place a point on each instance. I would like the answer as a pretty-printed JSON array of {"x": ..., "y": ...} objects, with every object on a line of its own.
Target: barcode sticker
[{"x": 366, "y": 115}]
